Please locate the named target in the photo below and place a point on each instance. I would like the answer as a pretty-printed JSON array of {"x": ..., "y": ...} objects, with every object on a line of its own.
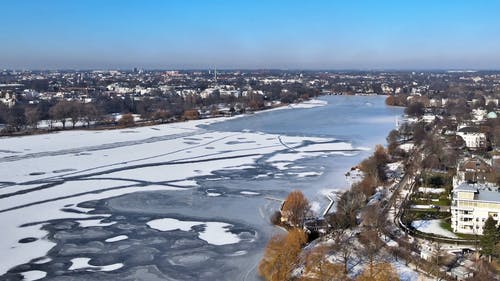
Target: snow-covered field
[
  {"x": 431, "y": 190},
  {"x": 421, "y": 206},
  {"x": 432, "y": 226},
  {"x": 45, "y": 177}
]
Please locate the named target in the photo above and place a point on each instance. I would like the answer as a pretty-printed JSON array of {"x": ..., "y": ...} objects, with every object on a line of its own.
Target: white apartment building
[
  {"x": 471, "y": 205},
  {"x": 472, "y": 137}
]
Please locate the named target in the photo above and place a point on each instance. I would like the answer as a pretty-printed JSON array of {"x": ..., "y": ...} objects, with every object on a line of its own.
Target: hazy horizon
[
  {"x": 250, "y": 35},
  {"x": 471, "y": 70}
]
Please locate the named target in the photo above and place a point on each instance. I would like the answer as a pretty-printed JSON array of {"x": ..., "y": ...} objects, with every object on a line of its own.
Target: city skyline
[{"x": 250, "y": 35}]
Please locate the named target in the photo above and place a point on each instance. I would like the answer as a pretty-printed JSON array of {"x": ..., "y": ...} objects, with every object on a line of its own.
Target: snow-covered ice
[
  {"x": 168, "y": 224},
  {"x": 304, "y": 105},
  {"x": 306, "y": 174},
  {"x": 33, "y": 275},
  {"x": 215, "y": 233},
  {"x": 315, "y": 207},
  {"x": 43, "y": 260},
  {"x": 116, "y": 238},
  {"x": 94, "y": 222},
  {"x": 309, "y": 104},
  {"x": 213, "y": 194},
  {"x": 83, "y": 263},
  {"x": 249, "y": 193}
]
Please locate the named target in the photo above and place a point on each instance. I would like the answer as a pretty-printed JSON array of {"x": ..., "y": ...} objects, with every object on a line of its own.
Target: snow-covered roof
[{"x": 482, "y": 192}]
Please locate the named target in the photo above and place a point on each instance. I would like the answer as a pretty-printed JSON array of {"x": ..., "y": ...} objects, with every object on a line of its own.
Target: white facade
[
  {"x": 473, "y": 139},
  {"x": 492, "y": 100},
  {"x": 428, "y": 118},
  {"x": 472, "y": 205}
]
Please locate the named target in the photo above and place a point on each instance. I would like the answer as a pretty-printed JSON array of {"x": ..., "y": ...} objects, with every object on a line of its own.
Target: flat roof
[{"x": 482, "y": 192}]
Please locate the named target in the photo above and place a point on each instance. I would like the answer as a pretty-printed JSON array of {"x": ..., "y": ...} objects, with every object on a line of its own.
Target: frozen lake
[{"x": 184, "y": 201}]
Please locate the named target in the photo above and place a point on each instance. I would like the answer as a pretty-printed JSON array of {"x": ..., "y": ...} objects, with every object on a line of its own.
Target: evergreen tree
[{"x": 490, "y": 238}]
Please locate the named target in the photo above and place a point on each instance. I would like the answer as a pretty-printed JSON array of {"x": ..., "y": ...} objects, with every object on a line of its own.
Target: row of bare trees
[
  {"x": 20, "y": 117},
  {"x": 75, "y": 112}
]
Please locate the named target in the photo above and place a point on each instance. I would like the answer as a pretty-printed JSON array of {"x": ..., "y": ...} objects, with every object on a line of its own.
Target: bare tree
[
  {"x": 162, "y": 115},
  {"x": 343, "y": 245},
  {"x": 281, "y": 255},
  {"x": 484, "y": 271},
  {"x": 32, "y": 115},
  {"x": 371, "y": 247},
  {"x": 374, "y": 218},
  {"x": 75, "y": 112},
  {"x": 348, "y": 206},
  {"x": 295, "y": 208},
  {"x": 318, "y": 267},
  {"x": 61, "y": 111},
  {"x": 90, "y": 113},
  {"x": 382, "y": 271},
  {"x": 191, "y": 114},
  {"x": 127, "y": 120},
  {"x": 415, "y": 109},
  {"x": 16, "y": 118}
]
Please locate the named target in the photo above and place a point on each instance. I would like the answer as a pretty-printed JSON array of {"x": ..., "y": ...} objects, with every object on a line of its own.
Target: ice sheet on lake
[
  {"x": 11, "y": 233},
  {"x": 81, "y": 166}
]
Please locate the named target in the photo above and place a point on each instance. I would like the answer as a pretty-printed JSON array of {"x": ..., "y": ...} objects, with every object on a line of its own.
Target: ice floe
[
  {"x": 83, "y": 263},
  {"x": 215, "y": 233},
  {"x": 249, "y": 193},
  {"x": 94, "y": 222},
  {"x": 306, "y": 174},
  {"x": 116, "y": 238},
  {"x": 33, "y": 275}
]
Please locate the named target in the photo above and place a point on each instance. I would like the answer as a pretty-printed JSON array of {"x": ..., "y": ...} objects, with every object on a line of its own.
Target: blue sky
[{"x": 109, "y": 34}]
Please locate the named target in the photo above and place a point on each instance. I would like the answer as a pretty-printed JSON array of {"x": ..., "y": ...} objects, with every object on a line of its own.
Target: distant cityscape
[{"x": 94, "y": 98}]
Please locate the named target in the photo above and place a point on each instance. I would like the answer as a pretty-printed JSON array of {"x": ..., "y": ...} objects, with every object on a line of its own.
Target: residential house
[
  {"x": 472, "y": 170},
  {"x": 473, "y": 138}
]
